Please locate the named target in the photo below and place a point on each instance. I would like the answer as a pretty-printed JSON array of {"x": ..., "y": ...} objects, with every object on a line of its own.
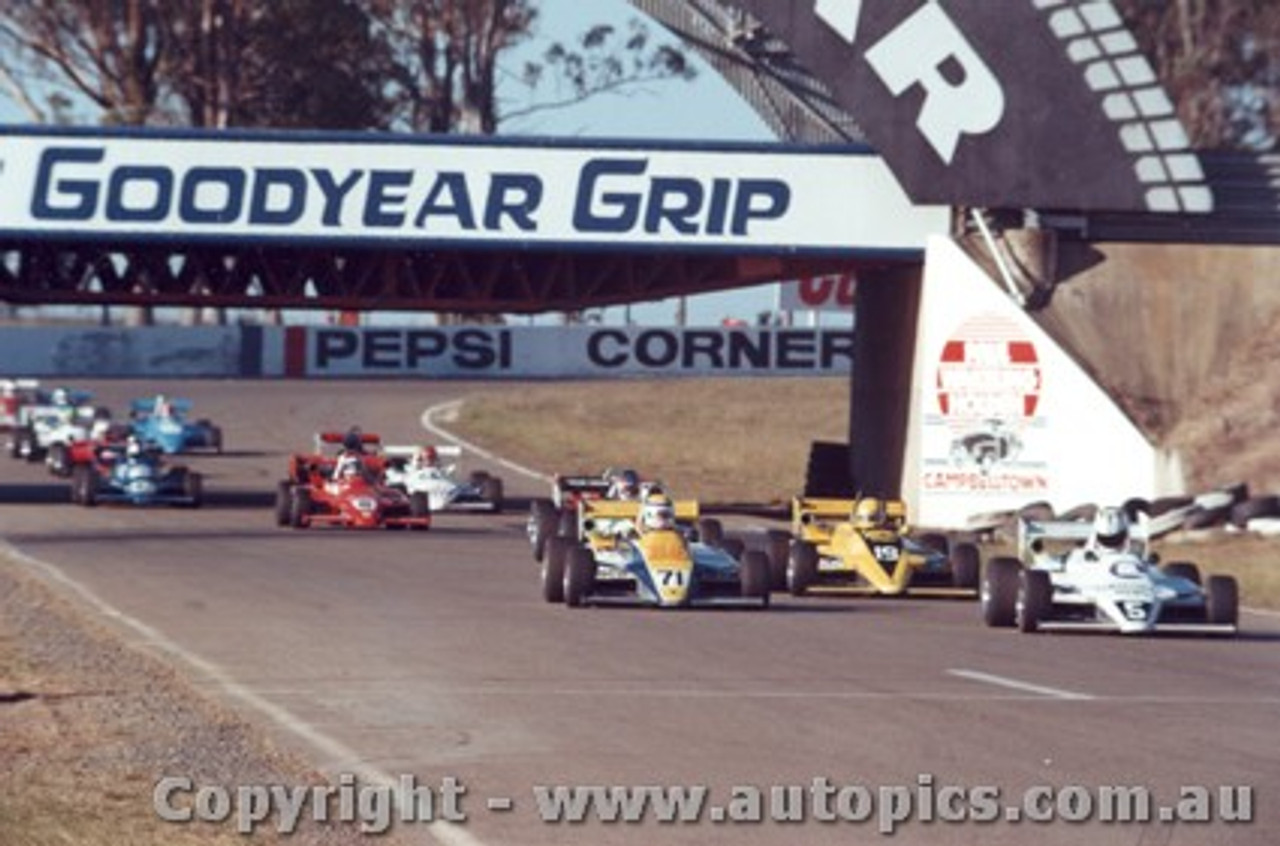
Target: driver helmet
[
  {"x": 868, "y": 513},
  {"x": 425, "y": 457},
  {"x": 61, "y": 397},
  {"x": 133, "y": 447},
  {"x": 626, "y": 485},
  {"x": 657, "y": 514},
  {"x": 348, "y": 467},
  {"x": 1111, "y": 528}
]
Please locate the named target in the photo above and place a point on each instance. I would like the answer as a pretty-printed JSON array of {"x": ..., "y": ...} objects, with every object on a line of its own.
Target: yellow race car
[{"x": 863, "y": 546}]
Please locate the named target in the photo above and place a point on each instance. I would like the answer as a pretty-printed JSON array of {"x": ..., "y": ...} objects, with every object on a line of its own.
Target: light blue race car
[{"x": 162, "y": 423}]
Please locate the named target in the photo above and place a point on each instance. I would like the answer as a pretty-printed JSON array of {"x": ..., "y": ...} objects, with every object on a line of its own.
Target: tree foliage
[
  {"x": 1220, "y": 61},
  {"x": 418, "y": 65}
]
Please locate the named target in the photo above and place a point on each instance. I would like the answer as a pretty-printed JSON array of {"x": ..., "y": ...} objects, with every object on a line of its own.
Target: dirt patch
[{"x": 88, "y": 726}]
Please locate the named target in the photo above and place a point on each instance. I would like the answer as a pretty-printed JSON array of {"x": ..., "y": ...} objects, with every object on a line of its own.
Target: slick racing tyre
[
  {"x": 579, "y": 576},
  {"x": 543, "y": 520},
  {"x": 420, "y": 506},
  {"x": 999, "y": 594},
  {"x": 1035, "y": 596},
  {"x": 300, "y": 508},
  {"x": 1222, "y": 601},
  {"x": 491, "y": 490},
  {"x": 964, "y": 566},
  {"x": 802, "y": 567},
  {"x": 553, "y": 568},
  {"x": 284, "y": 502},
  {"x": 778, "y": 544},
  {"x": 754, "y": 575}
]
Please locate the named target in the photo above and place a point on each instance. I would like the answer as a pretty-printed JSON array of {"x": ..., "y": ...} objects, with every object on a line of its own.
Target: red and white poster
[
  {"x": 833, "y": 292},
  {"x": 1001, "y": 415}
]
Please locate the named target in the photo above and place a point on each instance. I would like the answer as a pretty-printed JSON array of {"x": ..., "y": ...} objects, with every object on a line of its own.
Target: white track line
[
  {"x": 428, "y": 423},
  {"x": 1002, "y": 681},
  {"x": 442, "y": 832}
]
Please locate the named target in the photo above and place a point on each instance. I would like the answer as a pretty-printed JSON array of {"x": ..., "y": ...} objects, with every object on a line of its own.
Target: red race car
[{"x": 346, "y": 489}]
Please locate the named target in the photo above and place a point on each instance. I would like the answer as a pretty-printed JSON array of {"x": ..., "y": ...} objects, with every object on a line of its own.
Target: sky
[{"x": 706, "y": 108}]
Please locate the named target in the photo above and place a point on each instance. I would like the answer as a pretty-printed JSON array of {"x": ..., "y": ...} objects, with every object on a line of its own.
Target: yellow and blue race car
[{"x": 652, "y": 552}]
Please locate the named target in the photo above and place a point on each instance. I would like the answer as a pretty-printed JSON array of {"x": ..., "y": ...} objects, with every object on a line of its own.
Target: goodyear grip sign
[{"x": 362, "y": 188}]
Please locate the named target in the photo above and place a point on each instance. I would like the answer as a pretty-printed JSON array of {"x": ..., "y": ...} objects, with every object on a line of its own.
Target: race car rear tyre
[
  {"x": 299, "y": 508},
  {"x": 59, "y": 460},
  {"x": 553, "y": 565},
  {"x": 1182, "y": 570},
  {"x": 710, "y": 531},
  {"x": 193, "y": 489},
  {"x": 802, "y": 567},
  {"x": 215, "y": 439},
  {"x": 734, "y": 546},
  {"x": 284, "y": 500},
  {"x": 1222, "y": 601},
  {"x": 491, "y": 490},
  {"x": 965, "y": 566},
  {"x": 419, "y": 506},
  {"x": 543, "y": 519},
  {"x": 778, "y": 544},
  {"x": 754, "y": 575},
  {"x": 579, "y": 576},
  {"x": 999, "y": 594},
  {"x": 1035, "y": 596}
]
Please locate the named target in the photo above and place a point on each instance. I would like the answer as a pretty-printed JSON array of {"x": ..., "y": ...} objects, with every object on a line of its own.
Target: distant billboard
[
  {"x": 831, "y": 292},
  {"x": 313, "y": 187},
  {"x": 1031, "y": 104}
]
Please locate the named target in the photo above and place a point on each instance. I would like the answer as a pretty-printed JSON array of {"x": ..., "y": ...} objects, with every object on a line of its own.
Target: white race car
[
  {"x": 418, "y": 470},
  {"x": 47, "y": 431},
  {"x": 1100, "y": 575}
]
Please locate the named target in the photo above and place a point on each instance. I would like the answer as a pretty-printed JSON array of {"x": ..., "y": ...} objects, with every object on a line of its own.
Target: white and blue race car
[
  {"x": 418, "y": 470},
  {"x": 1078, "y": 575}
]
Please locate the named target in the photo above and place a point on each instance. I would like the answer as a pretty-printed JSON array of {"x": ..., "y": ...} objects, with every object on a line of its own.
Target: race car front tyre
[
  {"x": 419, "y": 506},
  {"x": 802, "y": 567},
  {"x": 710, "y": 531},
  {"x": 568, "y": 527},
  {"x": 1035, "y": 596},
  {"x": 778, "y": 544},
  {"x": 964, "y": 566},
  {"x": 299, "y": 508},
  {"x": 543, "y": 519},
  {"x": 999, "y": 593},
  {"x": 284, "y": 501},
  {"x": 553, "y": 568},
  {"x": 579, "y": 576},
  {"x": 754, "y": 575},
  {"x": 1222, "y": 601},
  {"x": 215, "y": 439}
]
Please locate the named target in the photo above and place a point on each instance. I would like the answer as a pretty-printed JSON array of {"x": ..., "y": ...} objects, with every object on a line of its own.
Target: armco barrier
[{"x": 463, "y": 352}]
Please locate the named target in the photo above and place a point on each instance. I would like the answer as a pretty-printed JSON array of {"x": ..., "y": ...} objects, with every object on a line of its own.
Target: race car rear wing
[
  {"x": 686, "y": 510},
  {"x": 444, "y": 451},
  {"x": 1034, "y": 533},
  {"x": 568, "y": 490},
  {"x": 341, "y": 437}
]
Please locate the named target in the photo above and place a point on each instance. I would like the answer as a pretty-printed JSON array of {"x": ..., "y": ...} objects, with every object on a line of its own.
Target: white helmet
[
  {"x": 348, "y": 467},
  {"x": 657, "y": 514},
  {"x": 133, "y": 447},
  {"x": 1111, "y": 528}
]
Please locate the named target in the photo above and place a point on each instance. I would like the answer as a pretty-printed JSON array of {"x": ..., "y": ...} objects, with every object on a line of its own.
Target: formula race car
[
  {"x": 162, "y": 422},
  {"x": 862, "y": 546},
  {"x": 14, "y": 394},
  {"x": 418, "y": 470},
  {"x": 135, "y": 476},
  {"x": 646, "y": 553},
  {"x": 63, "y": 458},
  {"x": 346, "y": 489},
  {"x": 1102, "y": 576},
  {"x": 559, "y": 514},
  {"x": 51, "y": 427}
]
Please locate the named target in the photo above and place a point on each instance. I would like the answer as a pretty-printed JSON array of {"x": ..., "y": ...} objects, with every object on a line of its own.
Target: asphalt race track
[{"x": 432, "y": 654}]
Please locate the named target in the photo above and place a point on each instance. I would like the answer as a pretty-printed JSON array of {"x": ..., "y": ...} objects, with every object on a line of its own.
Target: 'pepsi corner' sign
[{"x": 316, "y": 187}]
